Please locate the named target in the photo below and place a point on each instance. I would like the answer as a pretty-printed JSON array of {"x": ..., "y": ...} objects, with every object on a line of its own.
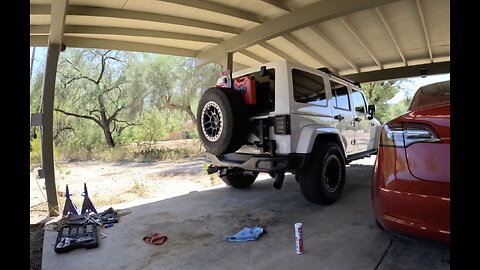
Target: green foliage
[
  {"x": 91, "y": 87},
  {"x": 35, "y": 151},
  {"x": 139, "y": 98},
  {"x": 379, "y": 93}
]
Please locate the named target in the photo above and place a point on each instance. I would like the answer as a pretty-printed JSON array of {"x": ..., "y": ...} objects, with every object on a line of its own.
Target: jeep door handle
[{"x": 338, "y": 117}]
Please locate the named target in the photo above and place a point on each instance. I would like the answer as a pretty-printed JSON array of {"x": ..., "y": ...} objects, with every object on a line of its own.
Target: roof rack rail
[{"x": 329, "y": 72}]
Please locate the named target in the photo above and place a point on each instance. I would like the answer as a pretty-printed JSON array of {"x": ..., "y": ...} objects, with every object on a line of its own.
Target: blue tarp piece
[{"x": 246, "y": 234}]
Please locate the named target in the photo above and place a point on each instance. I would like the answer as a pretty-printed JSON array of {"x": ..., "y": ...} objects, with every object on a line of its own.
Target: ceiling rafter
[
  {"x": 239, "y": 66},
  {"x": 390, "y": 33},
  {"x": 362, "y": 42},
  {"x": 332, "y": 46},
  {"x": 297, "y": 43},
  {"x": 275, "y": 50},
  {"x": 135, "y": 15},
  {"x": 101, "y": 30},
  {"x": 297, "y": 19},
  {"x": 425, "y": 31},
  {"x": 254, "y": 56},
  {"x": 81, "y": 42},
  {"x": 276, "y": 3},
  {"x": 217, "y": 8}
]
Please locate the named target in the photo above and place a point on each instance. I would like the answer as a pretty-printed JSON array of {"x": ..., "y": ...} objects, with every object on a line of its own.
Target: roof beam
[
  {"x": 425, "y": 32},
  {"x": 400, "y": 72},
  {"x": 217, "y": 8},
  {"x": 332, "y": 46},
  {"x": 275, "y": 50},
  {"x": 277, "y": 3},
  {"x": 57, "y": 21},
  {"x": 297, "y": 19},
  {"x": 135, "y": 15},
  {"x": 254, "y": 56},
  {"x": 362, "y": 42},
  {"x": 81, "y": 42},
  {"x": 308, "y": 51},
  {"x": 239, "y": 66},
  {"x": 119, "y": 31},
  {"x": 380, "y": 14}
]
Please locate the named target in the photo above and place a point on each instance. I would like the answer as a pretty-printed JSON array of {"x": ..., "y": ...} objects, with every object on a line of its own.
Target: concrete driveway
[{"x": 340, "y": 236}]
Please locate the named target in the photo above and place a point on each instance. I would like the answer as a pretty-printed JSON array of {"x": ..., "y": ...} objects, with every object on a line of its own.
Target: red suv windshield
[{"x": 431, "y": 95}]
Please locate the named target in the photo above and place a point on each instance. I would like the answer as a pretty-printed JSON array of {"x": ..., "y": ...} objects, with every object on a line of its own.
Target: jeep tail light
[
  {"x": 281, "y": 125},
  {"x": 403, "y": 135}
]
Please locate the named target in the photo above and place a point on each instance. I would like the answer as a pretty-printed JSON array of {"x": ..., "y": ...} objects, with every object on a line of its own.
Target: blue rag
[{"x": 246, "y": 234}]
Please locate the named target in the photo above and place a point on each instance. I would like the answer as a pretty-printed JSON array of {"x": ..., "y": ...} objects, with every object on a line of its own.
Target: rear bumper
[
  {"x": 407, "y": 205},
  {"x": 429, "y": 219},
  {"x": 259, "y": 162}
]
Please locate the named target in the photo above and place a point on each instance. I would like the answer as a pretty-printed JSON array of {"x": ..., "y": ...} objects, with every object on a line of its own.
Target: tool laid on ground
[
  {"x": 80, "y": 230},
  {"x": 70, "y": 207},
  {"x": 76, "y": 236},
  {"x": 87, "y": 204}
]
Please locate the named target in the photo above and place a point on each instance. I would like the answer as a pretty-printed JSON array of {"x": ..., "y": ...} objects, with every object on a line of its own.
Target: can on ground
[{"x": 298, "y": 238}]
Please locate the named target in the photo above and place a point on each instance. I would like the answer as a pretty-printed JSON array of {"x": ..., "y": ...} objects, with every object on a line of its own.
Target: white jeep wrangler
[{"x": 286, "y": 117}]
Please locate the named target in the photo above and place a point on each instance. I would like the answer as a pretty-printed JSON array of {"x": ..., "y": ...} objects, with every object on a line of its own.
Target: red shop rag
[{"x": 155, "y": 238}]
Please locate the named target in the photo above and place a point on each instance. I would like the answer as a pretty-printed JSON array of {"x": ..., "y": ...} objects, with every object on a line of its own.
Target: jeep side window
[
  {"x": 308, "y": 88},
  {"x": 359, "y": 101},
  {"x": 340, "y": 96}
]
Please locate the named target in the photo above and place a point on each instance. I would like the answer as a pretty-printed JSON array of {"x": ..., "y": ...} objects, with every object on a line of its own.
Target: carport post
[
  {"x": 227, "y": 62},
  {"x": 47, "y": 127},
  {"x": 57, "y": 23}
]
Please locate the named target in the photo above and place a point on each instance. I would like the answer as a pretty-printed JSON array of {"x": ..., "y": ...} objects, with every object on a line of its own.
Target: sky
[{"x": 411, "y": 84}]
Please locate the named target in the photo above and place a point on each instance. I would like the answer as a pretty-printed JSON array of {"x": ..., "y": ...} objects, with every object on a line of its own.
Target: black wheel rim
[
  {"x": 212, "y": 121},
  {"x": 332, "y": 172}
]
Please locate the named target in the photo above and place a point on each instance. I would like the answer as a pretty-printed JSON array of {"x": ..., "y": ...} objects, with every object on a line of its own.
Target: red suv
[{"x": 411, "y": 181}]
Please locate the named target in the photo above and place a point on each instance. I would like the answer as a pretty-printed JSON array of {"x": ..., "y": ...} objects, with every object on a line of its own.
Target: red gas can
[{"x": 246, "y": 86}]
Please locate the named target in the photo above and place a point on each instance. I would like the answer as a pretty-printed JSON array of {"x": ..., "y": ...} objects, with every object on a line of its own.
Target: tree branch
[{"x": 79, "y": 116}]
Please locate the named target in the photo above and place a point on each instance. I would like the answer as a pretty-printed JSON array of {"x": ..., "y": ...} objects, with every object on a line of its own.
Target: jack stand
[
  {"x": 87, "y": 204},
  {"x": 70, "y": 207}
]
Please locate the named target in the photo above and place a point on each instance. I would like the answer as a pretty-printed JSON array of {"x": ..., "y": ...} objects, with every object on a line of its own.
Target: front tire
[
  {"x": 323, "y": 180},
  {"x": 239, "y": 180}
]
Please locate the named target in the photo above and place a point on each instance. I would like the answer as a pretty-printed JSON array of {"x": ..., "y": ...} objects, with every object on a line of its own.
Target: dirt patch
[{"x": 36, "y": 246}]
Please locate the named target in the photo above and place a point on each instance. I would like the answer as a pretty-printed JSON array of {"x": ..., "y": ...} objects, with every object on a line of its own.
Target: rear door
[{"x": 343, "y": 114}]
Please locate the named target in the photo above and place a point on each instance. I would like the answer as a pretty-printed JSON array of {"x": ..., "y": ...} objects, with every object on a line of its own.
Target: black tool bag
[{"x": 72, "y": 236}]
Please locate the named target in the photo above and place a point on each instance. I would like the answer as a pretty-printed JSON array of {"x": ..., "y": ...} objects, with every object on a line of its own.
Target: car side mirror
[{"x": 371, "y": 111}]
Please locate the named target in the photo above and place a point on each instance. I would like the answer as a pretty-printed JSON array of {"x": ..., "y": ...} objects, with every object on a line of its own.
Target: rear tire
[
  {"x": 239, "y": 180},
  {"x": 323, "y": 180},
  {"x": 221, "y": 120}
]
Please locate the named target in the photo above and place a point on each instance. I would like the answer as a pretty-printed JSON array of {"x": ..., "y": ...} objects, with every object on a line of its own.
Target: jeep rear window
[
  {"x": 340, "y": 96},
  {"x": 308, "y": 88}
]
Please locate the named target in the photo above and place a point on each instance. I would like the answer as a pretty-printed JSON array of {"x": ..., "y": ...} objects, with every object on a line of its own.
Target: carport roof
[{"x": 364, "y": 39}]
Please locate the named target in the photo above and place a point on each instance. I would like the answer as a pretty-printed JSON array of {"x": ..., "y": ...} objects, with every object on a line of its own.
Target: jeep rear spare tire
[
  {"x": 222, "y": 120},
  {"x": 323, "y": 180}
]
